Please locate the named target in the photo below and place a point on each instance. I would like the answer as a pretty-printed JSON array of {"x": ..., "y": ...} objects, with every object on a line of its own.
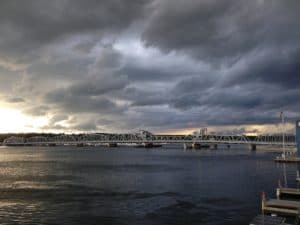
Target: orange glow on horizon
[{"x": 14, "y": 121}]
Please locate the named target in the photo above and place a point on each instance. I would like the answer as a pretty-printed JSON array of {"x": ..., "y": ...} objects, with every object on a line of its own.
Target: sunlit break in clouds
[{"x": 160, "y": 65}]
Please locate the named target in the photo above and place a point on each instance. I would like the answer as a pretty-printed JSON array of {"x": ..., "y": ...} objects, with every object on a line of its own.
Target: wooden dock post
[
  {"x": 277, "y": 193},
  {"x": 263, "y": 202},
  {"x": 278, "y": 189}
]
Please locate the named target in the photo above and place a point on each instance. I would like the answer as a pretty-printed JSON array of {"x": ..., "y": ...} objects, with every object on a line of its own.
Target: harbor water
[{"x": 126, "y": 185}]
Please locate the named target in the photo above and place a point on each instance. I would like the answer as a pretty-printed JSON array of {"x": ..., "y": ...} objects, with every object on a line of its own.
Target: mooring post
[
  {"x": 277, "y": 193},
  {"x": 278, "y": 189},
  {"x": 263, "y": 202}
]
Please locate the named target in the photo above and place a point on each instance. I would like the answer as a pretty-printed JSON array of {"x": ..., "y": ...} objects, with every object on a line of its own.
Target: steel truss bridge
[{"x": 143, "y": 137}]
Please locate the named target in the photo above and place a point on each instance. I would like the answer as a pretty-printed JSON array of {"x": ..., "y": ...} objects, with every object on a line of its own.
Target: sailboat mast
[{"x": 283, "y": 136}]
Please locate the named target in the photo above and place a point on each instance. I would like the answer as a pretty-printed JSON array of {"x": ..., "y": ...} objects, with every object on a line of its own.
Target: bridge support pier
[
  {"x": 214, "y": 146},
  {"x": 196, "y": 146},
  {"x": 148, "y": 145},
  {"x": 112, "y": 145},
  {"x": 187, "y": 146},
  {"x": 253, "y": 147}
]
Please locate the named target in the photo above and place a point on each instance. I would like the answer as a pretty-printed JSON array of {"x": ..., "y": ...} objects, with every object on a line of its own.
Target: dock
[
  {"x": 287, "y": 205},
  {"x": 289, "y": 159},
  {"x": 282, "y": 207},
  {"x": 288, "y": 192},
  {"x": 267, "y": 220}
]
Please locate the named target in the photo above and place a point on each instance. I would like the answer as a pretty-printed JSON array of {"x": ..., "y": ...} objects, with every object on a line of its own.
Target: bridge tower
[{"x": 298, "y": 137}]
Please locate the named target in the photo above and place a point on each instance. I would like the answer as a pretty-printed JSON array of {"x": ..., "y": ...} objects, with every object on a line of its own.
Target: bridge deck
[
  {"x": 148, "y": 138},
  {"x": 161, "y": 142}
]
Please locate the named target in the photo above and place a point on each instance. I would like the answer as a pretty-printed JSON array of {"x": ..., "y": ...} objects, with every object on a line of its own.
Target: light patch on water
[{"x": 31, "y": 185}]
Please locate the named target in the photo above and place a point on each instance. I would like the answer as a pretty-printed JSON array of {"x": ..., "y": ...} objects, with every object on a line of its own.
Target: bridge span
[{"x": 147, "y": 138}]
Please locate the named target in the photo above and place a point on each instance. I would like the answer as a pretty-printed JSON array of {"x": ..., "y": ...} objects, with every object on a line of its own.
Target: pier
[
  {"x": 267, "y": 220},
  {"x": 287, "y": 204},
  {"x": 288, "y": 192},
  {"x": 287, "y": 159},
  {"x": 282, "y": 207}
]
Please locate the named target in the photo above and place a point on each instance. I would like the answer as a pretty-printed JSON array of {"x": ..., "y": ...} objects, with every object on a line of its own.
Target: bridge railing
[{"x": 289, "y": 138}]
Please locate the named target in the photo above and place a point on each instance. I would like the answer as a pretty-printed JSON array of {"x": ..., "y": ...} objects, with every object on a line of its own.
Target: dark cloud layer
[
  {"x": 28, "y": 26},
  {"x": 223, "y": 30},
  {"x": 112, "y": 65},
  {"x": 279, "y": 68}
]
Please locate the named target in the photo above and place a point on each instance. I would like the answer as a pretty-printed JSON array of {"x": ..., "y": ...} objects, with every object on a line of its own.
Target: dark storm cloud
[
  {"x": 223, "y": 98},
  {"x": 254, "y": 45},
  {"x": 140, "y": 97},
  {"x": 92, "y": 94},
  {"x": 147, "y": 74},
  {"x": 85, "y": 47},
  {"x": 278, "y": 67},
  {"x": 194, "y": 92},
  {"x": 71, "y": 103},
  {"x": 96, "y": 86},
  {"x": 195, "y": 84},
  {"x": 61, "y": 70},
  {"x": 28, "y": 25},
  {"x": 219, "y": 31},
  {"x": 240, "y": 97}
]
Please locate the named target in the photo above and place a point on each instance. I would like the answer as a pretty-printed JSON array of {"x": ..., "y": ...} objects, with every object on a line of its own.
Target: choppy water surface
[{"x": 97, "y": 185}]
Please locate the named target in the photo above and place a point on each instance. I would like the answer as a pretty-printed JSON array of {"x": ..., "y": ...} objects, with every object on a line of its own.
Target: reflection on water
[{"x": 65, "y": 185}]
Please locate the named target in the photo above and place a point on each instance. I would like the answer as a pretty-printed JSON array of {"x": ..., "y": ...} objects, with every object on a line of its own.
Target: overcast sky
[{"x": 160, "y": 65}]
